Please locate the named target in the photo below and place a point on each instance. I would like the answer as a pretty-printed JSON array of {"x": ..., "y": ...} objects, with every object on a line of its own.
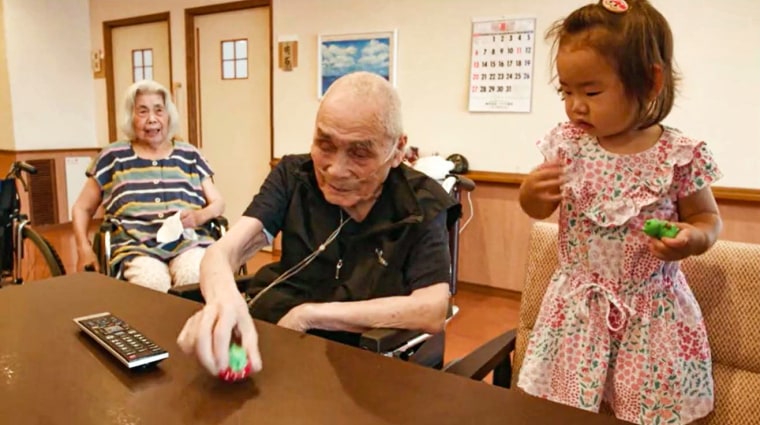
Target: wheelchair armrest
[
  {"x": 108, "y": 226},
  {"x": 383, "y": 340},
  {"x": 217, "y": 226},
  {"x": 386, "y": 340},
  {"x": 220, "y": 222},
  {"x": 486, "y": 358},
  {"x": 190, "y": 292}
]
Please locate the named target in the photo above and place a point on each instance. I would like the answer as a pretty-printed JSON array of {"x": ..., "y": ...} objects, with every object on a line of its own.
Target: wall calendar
[{"x": 501, "y": 67}]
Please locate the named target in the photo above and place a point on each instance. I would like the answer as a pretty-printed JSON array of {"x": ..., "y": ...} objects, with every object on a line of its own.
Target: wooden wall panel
[
  {"x": 493, "y": 246},
  {"x": 59, "y": 158},
  {"x": 43, "y": 202}
]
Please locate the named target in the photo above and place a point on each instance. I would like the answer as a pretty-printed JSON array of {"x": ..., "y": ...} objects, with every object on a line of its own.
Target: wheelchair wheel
[{"x": 39, "y": 259}]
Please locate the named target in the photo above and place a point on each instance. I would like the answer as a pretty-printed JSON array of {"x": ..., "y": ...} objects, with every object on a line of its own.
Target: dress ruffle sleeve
[
  {"x": 684, "y": 166},
  {"x": 559, "y": 141},
  {"x": 698, "y": 172}
]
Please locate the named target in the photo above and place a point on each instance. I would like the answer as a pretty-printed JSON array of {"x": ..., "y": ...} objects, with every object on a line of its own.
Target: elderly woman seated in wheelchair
[{"x": 142, "y": 183}]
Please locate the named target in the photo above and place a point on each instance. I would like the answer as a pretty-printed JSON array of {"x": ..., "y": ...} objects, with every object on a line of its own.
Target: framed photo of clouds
[{"x": 339, "y": 55}]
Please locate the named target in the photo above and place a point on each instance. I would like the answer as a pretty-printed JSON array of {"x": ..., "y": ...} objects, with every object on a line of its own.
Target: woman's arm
[
  {"x": 214, "y": 206},
  {"x": 84, "y": 208}
]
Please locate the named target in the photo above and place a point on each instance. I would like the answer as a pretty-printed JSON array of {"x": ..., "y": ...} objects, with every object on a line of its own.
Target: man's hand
[
  {"x": 298, "y": 318},
  {"x": 208, "y": 333}
]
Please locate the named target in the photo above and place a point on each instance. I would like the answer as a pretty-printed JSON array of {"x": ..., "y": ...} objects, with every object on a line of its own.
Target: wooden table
[{"x": 52, "y": 373}]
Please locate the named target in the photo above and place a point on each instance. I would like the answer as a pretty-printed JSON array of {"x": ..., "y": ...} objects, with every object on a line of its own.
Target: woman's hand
[
  {"x": 190, "y": 218},
  {"x": 86, "y": 257}
]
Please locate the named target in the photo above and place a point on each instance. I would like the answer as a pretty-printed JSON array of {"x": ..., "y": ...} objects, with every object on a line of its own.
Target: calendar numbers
[{"x": 502, "y": 65}]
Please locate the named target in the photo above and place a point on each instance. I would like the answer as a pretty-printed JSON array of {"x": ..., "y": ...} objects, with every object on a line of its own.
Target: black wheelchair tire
[{"x": 52, "y": 259}]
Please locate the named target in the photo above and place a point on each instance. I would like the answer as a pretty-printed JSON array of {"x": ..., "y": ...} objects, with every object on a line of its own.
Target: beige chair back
[
  {"x": 541, "y": 264},
  {"x": 726, "y": 283}
]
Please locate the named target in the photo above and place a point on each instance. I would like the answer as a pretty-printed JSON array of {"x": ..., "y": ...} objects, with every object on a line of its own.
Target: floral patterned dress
[{"x": 617, "y": 324}]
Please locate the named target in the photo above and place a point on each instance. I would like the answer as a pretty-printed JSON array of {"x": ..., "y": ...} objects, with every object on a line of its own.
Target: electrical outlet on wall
[{"x": 96, "y": 63}]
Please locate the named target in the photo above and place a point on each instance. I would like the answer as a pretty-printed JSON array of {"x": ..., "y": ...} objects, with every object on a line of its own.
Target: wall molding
[
  {"x": 95, "y": 149},
  {"x": 515, "y": 179}
]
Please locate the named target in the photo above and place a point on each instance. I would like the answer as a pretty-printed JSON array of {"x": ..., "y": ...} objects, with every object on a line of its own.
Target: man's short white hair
[
  {"x": 148, "y": 87},
  {"x": 374, "y": 88}
]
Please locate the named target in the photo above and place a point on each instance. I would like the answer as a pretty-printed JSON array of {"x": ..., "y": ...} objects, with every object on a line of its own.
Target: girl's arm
[
  {"x": 541, "y": 191},
  {"x": 701, "y": 211},
  {"x": 699, "y": 227}
]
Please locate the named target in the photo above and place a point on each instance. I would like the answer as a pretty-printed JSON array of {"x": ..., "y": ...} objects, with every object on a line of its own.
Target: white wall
[
  {"x": 47, "y": 45},
  {"x": 109, "y": 10},
  {"x": 432, "y": 76},
  {"x": 6, "y": 112},
  {"x": 715, "y": 48}
]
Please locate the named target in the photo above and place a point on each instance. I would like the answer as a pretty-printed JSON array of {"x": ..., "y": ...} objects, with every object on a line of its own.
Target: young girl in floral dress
[{"x": 618, "y": 323}]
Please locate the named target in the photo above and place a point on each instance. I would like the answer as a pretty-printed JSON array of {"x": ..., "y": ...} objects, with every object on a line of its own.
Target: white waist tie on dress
[{"x": 588, "y": 289}]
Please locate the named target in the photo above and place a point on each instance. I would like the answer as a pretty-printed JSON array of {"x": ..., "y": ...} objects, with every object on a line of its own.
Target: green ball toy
[
  {"x": 660, "y": 229},
  {"x": 239, "y": 367},
  {"x": 238, "y": 358}
]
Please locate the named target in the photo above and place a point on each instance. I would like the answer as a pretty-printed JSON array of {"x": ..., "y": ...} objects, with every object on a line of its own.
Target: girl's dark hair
[{"x": 634, "y": 42}]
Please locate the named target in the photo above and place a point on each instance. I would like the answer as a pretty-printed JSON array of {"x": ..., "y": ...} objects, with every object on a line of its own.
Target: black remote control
[{"x": 123, "y": 341}]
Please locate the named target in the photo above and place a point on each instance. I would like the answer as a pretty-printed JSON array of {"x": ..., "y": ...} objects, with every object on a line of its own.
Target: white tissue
[
  {"x": 172, "y": 229},
  {"x": 190, "y": 234},
  {"x": 449, "y": 183},
  {"x": 434, "y": 166}
]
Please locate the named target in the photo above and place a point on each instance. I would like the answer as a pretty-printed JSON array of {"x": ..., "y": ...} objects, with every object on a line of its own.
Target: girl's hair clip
[{"x": 615, "y": 6}]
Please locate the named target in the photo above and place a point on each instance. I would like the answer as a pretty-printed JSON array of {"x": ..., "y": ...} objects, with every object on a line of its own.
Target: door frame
[
  {"x": 108, "y": 27},
  {"x": 191, "y": 53}
]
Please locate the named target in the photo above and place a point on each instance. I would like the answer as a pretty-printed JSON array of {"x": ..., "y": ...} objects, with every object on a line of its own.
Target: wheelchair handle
[
  {"x": 18, "y": 166},
  {"x": 465, "y": 183},
  {"x": 15, "y": 172},
  {"x": 25, "y": 166}
]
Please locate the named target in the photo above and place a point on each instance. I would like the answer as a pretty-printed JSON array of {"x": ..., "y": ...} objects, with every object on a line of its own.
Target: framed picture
[{"x": 339, "y": 55}]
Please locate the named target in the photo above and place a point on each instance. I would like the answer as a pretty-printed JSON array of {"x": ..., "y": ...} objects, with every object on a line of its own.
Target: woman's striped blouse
[{"x": 140, "y": 193}]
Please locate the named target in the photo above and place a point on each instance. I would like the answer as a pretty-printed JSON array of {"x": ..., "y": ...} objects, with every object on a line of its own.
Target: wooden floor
[{"x": 483, "y": 314}]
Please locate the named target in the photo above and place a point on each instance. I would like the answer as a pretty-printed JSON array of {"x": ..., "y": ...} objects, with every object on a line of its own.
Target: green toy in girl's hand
[
  {"x": 660, "y": 228},
  {"x": 239, "y": 367}
]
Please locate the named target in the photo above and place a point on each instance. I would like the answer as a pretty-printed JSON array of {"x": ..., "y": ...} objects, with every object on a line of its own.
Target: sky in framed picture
[{"x": 342, "y": 54}]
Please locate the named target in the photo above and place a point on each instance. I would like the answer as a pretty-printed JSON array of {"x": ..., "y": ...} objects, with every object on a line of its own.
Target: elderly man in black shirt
[{"x": 364, "y": 237}]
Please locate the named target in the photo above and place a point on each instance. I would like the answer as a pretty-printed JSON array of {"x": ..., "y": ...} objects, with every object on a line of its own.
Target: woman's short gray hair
[{"x": 148, "y": 87}]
